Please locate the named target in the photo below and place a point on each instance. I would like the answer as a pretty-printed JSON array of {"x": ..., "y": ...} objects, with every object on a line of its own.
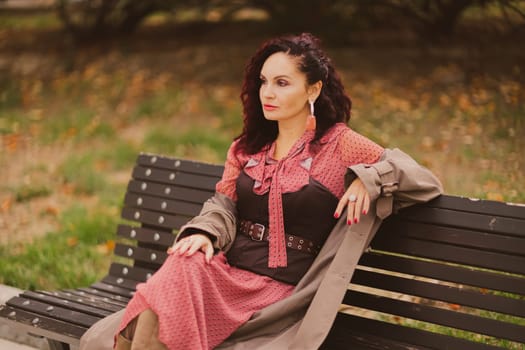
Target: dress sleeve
[
  {"x": 357, "y": 149},
  {"x": 232, "y": 169}
]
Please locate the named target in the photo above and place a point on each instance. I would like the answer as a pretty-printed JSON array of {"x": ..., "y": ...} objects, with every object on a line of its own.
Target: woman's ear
[{"x": 314, "y": 90}]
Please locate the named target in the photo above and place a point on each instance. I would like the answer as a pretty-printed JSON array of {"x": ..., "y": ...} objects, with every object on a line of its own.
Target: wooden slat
[
  {"x": 369, "y": 334},
  {"x": 59, "y": 313},
  {"x": 486, "y": 207},
  {"x": 161, "y": 205},
  {"x": 467, "y": 220},
  {"x": 482, "y": 240},
  {"x": 79, "y": 304},
  {"x": 445, "y": 272},
  {"x": 451, "y": 253},
  {"x": 41, "y": 325},
  {"x": 131, "y": 272},
  {"x": 141, "y": 254},
  {"x": 436, "y": 315},
  {"x": 191, "y": 195},
  {"x": 174, "y": 178},
  {"x": 106, "y": 296},
  {"x": 180, "y": 164},
  {"x": 84, "y": 299},
  {"x": 109, "y": 288},
  {"x": 162, "y": 221},
  {"x": 120, "y": 282},
  {"x": 145, "y": 235},
  {"x": 455, "y": 295}
]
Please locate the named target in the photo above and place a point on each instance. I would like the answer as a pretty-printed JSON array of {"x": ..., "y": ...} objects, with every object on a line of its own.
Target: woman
[{"x": 301, "y": 196}]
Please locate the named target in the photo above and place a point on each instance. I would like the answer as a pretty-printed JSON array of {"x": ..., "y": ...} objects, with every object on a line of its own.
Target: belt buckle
[{"x": 260, "y": 235}]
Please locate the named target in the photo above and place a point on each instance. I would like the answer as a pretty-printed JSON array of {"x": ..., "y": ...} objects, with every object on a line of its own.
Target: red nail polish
[
  {"x": 349, "y": 222},
  {"x": 364, "y": 212},
  {"x": 356, "y": 220},
  {"x": 336, "y": 215}
]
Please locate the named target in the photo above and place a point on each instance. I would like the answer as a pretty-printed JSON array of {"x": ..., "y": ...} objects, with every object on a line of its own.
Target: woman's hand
[
  {"x": 189, "y": 245},
  {"x": 358, "y": 201}
]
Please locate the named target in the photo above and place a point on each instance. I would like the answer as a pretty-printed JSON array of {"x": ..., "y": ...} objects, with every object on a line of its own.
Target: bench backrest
[{"x": 451, "y": 271}]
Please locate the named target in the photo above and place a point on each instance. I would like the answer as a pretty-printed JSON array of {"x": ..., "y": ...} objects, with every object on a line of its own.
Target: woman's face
[{"x": 283, "y": 92}]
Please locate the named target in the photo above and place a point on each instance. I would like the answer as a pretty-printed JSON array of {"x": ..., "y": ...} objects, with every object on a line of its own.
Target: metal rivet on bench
[
  {"x": 133, "y": 234},
  {"x": 130, "y": 252},
  {"x": 26, "y": 302},
  {"x": 12, "y": 314},
  {"x": 143, "y": 186},
  {"x": 139, "y": 201},
  {"x": 161, "y": 219},
  {"x": 125, "y": 271},
  {"x": 68, "y": 294},
  {"x": 80, "y": 300},
  {"x": 148, "y": 172},
  {"x": 136, "y": 215},
  {"x": 120, "y": 280},
  {"x": 82, "y": 293},
  {"x": 66, "y": 301},
  {"x": 153, "y": 159},
  {"x": 153, "y": 256},
  {"x": 35, "y": 320},
  {"x": 167, "y": 190},
  {"x": 172, "y": 176},
  {"x": 156, "y": 236},
  {"x": 177, "y": 163},
  {"x": 164, "y": 205},
  {"x": 49, "y": 308}
]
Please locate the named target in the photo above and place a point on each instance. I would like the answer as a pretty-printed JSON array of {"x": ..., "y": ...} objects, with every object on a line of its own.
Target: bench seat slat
[
  {"x": 436, "y": 315},
  {"x": 60, "y": 313},
  {"x": 451, "y": 253},
  {"x": 79, "y": 304},
  {"x": 435, "y": 291},
  {"x": 109, "y": 288},
  {"x": 84, "y": 299},
  {"x": 107, "y": 297},
  {"x": 191, "y": 195},
  {"x": 191, "y": 166},
  {"x": 413, "y": 338},
  {"x": 41, "y": 325},
  {"x": 445, "y": 272}
]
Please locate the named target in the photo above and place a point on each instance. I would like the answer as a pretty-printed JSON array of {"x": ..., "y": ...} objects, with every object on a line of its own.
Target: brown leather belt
[{"x": 259, "y": 232}]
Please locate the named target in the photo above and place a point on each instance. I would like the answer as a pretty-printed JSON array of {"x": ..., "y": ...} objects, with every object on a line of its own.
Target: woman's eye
[
  {"x": 263, "y": 81},
  {"x": 281, "y": 82}
]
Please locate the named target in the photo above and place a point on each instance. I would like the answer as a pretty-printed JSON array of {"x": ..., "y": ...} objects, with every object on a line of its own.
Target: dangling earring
[{"x": 310, "y": 121}]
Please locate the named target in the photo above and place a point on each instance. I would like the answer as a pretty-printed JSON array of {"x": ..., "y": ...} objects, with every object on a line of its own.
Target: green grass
[{"x": 70, "y": 257}]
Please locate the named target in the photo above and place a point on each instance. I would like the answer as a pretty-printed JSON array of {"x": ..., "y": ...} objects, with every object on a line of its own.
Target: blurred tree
[{"x": 431, "y": 20}]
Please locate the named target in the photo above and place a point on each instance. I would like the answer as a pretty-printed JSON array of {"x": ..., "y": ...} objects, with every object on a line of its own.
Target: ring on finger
[{"x": 352, "y": 198}]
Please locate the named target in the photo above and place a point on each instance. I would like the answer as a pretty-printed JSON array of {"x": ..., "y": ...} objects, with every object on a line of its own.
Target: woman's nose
[{"x": 267, "y": 91}]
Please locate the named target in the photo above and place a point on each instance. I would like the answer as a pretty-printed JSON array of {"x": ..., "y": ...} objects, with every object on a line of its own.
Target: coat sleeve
[
  {"x": 217, "y": 219},
  {"x": 395, "y": 181}
]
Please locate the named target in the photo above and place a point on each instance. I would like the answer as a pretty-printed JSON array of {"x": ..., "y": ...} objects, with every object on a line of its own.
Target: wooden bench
[{"x": 449, "y": 274}]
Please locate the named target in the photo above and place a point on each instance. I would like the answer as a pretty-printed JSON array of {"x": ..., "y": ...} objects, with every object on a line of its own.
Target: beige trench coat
[{"x": 302, "y": 320}]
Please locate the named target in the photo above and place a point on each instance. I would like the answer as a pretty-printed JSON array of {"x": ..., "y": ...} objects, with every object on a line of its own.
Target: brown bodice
[{"x": 308, "y": 213}]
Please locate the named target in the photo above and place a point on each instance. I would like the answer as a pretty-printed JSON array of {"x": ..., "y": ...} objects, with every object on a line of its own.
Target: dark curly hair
[{"x": 332, "y": 105}]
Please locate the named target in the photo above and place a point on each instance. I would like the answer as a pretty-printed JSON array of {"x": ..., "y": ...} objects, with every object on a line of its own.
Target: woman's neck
[{"x": 289, "y": 133}]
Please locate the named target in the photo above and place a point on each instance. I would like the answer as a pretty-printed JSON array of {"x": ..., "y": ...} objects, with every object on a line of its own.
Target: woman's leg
[{"x": 147, "y": 332}]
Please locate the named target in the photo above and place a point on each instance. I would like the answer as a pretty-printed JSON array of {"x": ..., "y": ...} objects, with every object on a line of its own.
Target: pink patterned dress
[{"x": 199, "y": 305}]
